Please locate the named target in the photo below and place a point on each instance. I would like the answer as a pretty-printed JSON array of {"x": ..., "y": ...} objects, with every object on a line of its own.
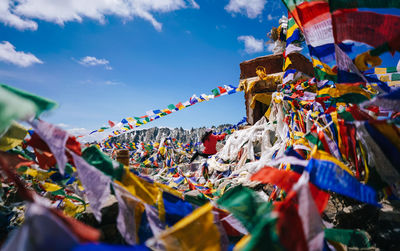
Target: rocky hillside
[{"x": 155, "y": 134}]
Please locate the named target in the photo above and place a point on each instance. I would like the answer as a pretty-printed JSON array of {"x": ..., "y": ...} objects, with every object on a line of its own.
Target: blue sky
[
  {"x": 105, "y": 62},
  {"x": 196, "y": 50}
]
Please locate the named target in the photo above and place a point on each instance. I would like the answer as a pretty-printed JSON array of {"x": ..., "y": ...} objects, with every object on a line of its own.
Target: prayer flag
[
  {"x": 16, "y": 104},
  {"x": 56, "y": 140},
  {"x": 96, "y": 184},
  {"x": 13, "y": 137},
  {"x": 222, "y": 90},
  {"x": 171, "y": 107},
  {"x": 215, "y": 92},
  {"x": 184, "y": 235},
  {"x": 101, "y": 161},
  {"x": 327, "y": 175},
  {"x": 112, "y": 124}
]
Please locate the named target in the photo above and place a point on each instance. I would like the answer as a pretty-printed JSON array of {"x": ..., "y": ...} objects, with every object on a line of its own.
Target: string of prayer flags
[{"x": 152, "y": 115}]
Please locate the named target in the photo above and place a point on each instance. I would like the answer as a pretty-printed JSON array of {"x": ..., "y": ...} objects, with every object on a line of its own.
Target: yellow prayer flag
[
  {"x": 326, "y": 68},
  {"x": 13, "y": 137},
  {"x": 380, "y": 70},
  {"x": 31, "y": 172},
  {"x": 50, "y": 187},
  {"x": 71, "y": 209},
  {"x": 169, "y": 189},
  {"x": 264, "y": 98},
  {"x": 197, "y": 231},
  {"x": 139, "y": 188},
  {"x": 290, "y": 31},
  {"x": 384, "y": 78},
  {"x": 42, "y": 176},
  {"x": 343, "y": 89},
  {"x": 287, "y": 63}
]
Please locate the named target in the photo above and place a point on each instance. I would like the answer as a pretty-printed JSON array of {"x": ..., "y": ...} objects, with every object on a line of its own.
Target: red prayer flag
[
  {"x": 84, "y": 232},
  {"x": 112, "y": 124},
  {"x": 286, "y": 179},
  {"x": 289, "y": 225},
  {"x": 364, "y": 26},
  {"x": 281, "y": 178},
  {"x": 221, "y": 90}
]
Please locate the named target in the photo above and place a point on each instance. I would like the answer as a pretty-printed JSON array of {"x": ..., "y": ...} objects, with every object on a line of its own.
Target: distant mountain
[{"x": 155, "y": 134}]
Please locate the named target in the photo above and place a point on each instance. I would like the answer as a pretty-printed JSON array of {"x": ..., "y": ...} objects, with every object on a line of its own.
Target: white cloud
[
  {"x": 62, "y": 125},
  {"x": 93, "y": 61},
  {"x": 270, "y": 17},
  {"x": 110, "y": 82},
  {"x": 250, "y": 8},
  {"x": 252, "y": 45},
  {"x": 78, "y": 131},
  {"x": 220, "y": 27},
  {"x": 270, "y": 47},
  {"x": 10, "y": 55},
  {"x": 22, "y": 13},
  {"x": 100, "y": 82},
  {"x": 10, "y": 19},
  {"x": 194, "y": 4}
]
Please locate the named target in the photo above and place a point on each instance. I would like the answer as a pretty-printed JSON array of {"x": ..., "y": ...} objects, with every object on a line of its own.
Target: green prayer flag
[
  {"x": 353, "y": 98},
  {"x": 349, "y": 237},
  {"x": 396, "y": 77},
  {"x": 198, "y": 200},
  {"x": 321, "y": 75},
  {"x": 42, "y": 104},
  {"x": 291, "y": 23},
  {"x": 244, "y": 204},
  {"x": 255, "y": 214},
  {"x": 16, "y": 104},
  {"x": 23, "y": 152},
  {"x": 346, "y": 115},
  {"x": 215, "y": 92},
  {"x": 311, "y": 138},
  {"x": 95, "y": 157},
  {"x": 171, "y": 107},
  {"x": 263, "y": 236}
]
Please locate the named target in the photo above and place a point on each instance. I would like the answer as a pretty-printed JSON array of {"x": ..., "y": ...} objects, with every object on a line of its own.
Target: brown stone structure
[
  {"x": 123, "y": 157},
  {"x": 273, "y": 65}
]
